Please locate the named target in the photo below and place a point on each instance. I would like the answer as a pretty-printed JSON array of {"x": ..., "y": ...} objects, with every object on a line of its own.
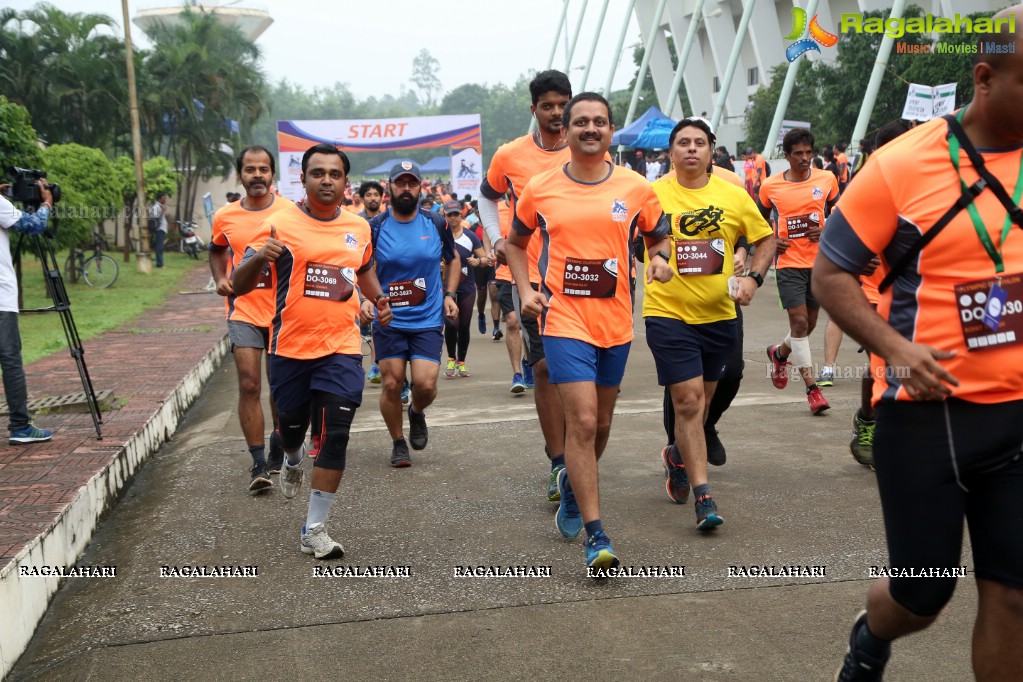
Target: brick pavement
[{"x": 143, "y": 363}]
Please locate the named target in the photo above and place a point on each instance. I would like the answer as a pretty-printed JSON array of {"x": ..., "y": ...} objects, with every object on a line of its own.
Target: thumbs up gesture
[{"x": 273, "y": 248}]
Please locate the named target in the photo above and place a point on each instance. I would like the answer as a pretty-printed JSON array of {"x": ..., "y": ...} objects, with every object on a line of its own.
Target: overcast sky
[{"x": 475, "y": 41}]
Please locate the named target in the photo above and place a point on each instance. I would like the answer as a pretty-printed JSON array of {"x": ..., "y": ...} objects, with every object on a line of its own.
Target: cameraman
[
  {"x": 15, "y": 388},
  {"x": 158, "y": 223}
]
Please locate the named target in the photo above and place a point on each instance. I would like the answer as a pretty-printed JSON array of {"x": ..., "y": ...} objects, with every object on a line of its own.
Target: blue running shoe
[
  {"x": 374, "y": 374},
  {"x": 482, "y": 320},
  {"x": 677, "y": 485},
  {"x": 707, "y": 514},
  {"x": 599, "y": 555},
  {"x": 527, "y": 375},
  {"x": 568, "y": 519},
  {"x": 29, "y": 434},
  {"x": 553, "y": 494},
  {"x": 517, "y": 385}
]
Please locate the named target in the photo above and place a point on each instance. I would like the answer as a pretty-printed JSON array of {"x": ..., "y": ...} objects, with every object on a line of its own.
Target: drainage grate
[{"x": 70, "y": 403}]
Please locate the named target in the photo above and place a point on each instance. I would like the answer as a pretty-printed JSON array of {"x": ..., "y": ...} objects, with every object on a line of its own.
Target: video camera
[{"x": 25, "y": 186}]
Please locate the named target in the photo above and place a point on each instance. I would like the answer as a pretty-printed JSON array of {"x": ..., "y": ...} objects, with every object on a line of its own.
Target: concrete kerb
[{"x": 25, "y": 599}]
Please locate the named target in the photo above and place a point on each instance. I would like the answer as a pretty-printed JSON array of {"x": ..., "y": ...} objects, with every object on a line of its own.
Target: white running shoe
[
  {"x": 291, "y": 477},
  {"x": 315, "y": 541}
]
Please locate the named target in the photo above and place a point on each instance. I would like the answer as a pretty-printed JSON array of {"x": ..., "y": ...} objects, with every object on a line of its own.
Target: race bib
[
  {"x": 329, "y": 282},
  {"x": 407, "y": 293},
  {"x": 991, "y": 311},
  {"x": 798, "y": 225},
  {"x": 591, "y": 278},
  {"x": 700, "y": 256}
]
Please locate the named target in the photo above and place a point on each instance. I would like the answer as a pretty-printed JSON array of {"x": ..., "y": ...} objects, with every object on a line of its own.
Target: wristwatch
[
  {"x": 451, "y": 294},
  {"x": 662, "y": 254},
  {"x": 756, "y": 277},
  {"x": 378, "y": 297}
]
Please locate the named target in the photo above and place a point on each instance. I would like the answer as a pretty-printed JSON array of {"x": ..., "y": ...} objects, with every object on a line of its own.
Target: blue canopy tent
[
  {"x": 384, "y": 168},
  {"x": 438, "y": 164},
  {"x": 655, "y": 135},
  {"x": 627, "y": 135}
]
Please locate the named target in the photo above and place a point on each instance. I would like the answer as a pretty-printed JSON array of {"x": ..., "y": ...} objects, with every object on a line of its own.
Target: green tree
[
  {"x": 68, "y": 71},
  {"x": 425, "y": 78},
  {"x": 200, "y": 75},
  {"x": 89, "y": 189},
  {"x": 18, "y": 146},
  {"x": 158, "y": 175}
]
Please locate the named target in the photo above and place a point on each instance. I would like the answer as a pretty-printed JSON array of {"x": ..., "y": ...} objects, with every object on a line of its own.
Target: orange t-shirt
[
  {"x": 759, "y": 164},
  {"x": 513, "y": 165},
  {"x": 841, "y": 158},
  {"x": 587, "y": 231},
  {"x": 234, "y": 227},
  {"x": 800, "y": 206},
  {"x": 727, "y": 175},
  {"x": 940, "y": 299},
  {"x": 504, "y": 213},
  {"x": 316, "y": 302}
]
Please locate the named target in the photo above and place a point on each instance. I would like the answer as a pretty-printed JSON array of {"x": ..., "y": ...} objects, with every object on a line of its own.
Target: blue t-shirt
[
  {"x": 465, "y": 245},
  {"x": 408, "y": 257}
]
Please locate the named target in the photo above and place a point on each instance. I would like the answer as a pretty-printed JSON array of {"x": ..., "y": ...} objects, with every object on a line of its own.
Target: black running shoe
[
  {"x": 858, "y": 666},
  {"x": 418, "y": 434},
  {"x": 260, "y": 480},
  {"x": 275, "y": 458},
  {"x": 399, "y": 455}
]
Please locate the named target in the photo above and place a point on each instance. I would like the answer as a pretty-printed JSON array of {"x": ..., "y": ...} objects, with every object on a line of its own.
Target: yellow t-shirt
[{"x": 705, "y": 224}]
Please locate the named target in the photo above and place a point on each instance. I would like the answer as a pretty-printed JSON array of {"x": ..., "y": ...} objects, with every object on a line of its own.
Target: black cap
[{"x": 405, "y": 168}]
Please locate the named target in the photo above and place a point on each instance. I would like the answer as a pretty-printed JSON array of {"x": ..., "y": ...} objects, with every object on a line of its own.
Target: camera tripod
[{"x": 43, "y": 248}]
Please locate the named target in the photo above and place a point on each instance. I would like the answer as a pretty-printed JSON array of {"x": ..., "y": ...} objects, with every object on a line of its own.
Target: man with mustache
[
  {"x": 803, "y": 196},
  {"x": 248, "y": 317},
  {"x": 409, "y": 245},
  {"x": 317, "y": 253},
  {"x": 372, "y": 194},
  {"x": 588, "y": 212}
]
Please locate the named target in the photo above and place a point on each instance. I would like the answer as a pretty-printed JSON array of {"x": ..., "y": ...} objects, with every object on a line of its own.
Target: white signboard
[
  {"x": 466, "y": 172},
  {"x": 787, "y": 125},
  {"x": 924, "y": 102}
]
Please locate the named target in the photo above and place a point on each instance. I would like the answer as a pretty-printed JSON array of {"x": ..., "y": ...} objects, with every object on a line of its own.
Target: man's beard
[
  {"x": 373, "y": 205},
  {"x": 405, "y": 203}
]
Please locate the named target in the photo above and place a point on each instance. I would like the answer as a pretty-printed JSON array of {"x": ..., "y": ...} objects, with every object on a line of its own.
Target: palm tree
[{"x": 200, "y": 74}]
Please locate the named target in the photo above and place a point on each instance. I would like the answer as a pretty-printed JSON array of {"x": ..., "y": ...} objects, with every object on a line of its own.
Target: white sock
[
  {"x": 293, "y": 458},
  {"x": 319, "y": 507}
]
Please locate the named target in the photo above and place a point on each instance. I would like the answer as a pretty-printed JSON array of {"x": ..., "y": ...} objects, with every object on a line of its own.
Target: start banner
[{"x": 370, "y": 135}]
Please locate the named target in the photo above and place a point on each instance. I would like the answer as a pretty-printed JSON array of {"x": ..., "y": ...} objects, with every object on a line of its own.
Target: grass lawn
[{"x": 94, "y": 310}]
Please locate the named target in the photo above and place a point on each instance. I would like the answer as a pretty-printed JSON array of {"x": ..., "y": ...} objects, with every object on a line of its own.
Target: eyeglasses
[{"x": 405, "y": 184}]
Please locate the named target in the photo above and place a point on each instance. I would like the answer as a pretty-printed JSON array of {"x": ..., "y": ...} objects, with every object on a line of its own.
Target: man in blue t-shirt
[{"x": 410, "y": 246}]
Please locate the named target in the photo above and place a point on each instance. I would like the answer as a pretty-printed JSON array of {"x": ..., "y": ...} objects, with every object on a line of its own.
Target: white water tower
[{"x": 249, "y": 19}]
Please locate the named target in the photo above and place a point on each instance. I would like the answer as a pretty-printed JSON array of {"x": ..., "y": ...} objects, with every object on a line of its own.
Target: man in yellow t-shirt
[{"x": 691, "y": 320}]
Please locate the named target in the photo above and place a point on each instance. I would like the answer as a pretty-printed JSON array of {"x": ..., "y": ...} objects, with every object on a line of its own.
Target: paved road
[{"x": 790, "y": 493}]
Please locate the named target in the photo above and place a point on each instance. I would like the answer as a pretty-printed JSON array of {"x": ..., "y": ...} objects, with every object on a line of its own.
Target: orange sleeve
[
  {"x": 833, "y": 194},
  {"x": 765, "y": 198}
]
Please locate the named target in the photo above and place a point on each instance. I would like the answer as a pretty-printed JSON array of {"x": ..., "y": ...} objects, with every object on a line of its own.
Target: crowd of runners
[{"x": 558, "y": 240}]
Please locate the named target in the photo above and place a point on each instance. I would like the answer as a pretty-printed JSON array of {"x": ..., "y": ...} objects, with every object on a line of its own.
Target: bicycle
[{"x": 98, "y": 270}]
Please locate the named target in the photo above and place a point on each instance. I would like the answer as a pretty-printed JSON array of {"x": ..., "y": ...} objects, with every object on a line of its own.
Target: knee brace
[
  {"x": 337, "y": 414},
  {"x": 292, "y": 425},
  {"x": 800, "y": 356}
]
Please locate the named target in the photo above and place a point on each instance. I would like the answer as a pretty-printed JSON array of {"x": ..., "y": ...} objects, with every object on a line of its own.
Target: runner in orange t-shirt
[
  {"x": 514, "y": 164},
  {"x": 588, "y": 212},
  {"x": 317, "y": 254},
  {"x": 802, "y": 196},
  {"x": 843, "y": 165},
  {"x": 947, "y": 338},
  {"x": 248, "y": 317}
]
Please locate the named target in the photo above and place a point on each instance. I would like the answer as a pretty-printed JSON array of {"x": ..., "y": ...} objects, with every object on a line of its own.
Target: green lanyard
[{"x": 978, "y": 224}]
